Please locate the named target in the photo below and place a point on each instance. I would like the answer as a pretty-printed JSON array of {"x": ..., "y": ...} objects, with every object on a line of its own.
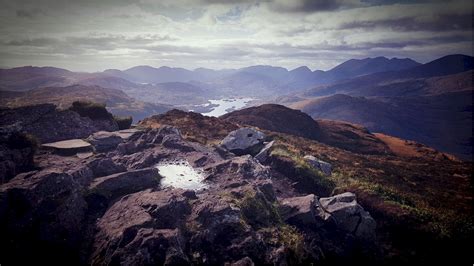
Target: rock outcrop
[
  {"x": 49, "y": 124},
  {"x": 341, "y": 210}
]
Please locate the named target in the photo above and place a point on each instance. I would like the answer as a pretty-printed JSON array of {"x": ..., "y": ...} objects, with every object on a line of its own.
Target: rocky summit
[
  {"x": 112, "y": 208},
  {"x": 186, "y": 189}
]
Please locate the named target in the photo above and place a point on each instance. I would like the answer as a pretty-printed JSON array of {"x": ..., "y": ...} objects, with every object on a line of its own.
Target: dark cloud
[{"x": 309, "y": 6}]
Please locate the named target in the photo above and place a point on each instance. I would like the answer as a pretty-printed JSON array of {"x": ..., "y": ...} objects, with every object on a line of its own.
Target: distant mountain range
[
  {"x": 430, "y": 103},
  {"x": 254, "y": 81}
]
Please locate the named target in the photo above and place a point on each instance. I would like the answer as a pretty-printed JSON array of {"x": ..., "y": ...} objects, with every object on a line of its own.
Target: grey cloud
[
  {"x": 437, "y": 23},
  {"x": 28, "y": 13}
]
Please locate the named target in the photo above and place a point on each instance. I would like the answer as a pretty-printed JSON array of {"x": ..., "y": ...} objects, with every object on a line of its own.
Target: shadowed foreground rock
[{"x": 110, "y": 208}]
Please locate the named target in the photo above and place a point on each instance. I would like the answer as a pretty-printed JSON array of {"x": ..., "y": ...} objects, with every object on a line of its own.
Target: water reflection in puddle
[{"x": 180, "y": 174}]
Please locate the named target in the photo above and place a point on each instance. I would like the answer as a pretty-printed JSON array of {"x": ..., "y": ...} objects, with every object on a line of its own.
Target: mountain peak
[{"x": 301, "y": 69}]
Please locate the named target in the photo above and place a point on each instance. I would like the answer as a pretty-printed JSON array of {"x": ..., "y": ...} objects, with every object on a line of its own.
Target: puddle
[{"x": 180, "y": 174}]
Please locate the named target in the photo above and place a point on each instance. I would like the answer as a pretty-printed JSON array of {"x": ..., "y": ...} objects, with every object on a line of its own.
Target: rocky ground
[
  {"x": 110, "y": 208},
  {"x": 261, "y": 203}
]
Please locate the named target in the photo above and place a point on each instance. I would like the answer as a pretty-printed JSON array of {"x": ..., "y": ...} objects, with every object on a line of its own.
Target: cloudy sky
[{"x": 93, "y": 35}]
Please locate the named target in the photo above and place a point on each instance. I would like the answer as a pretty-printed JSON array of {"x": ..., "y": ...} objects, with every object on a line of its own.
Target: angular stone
[
  {"x": 116, "y": 185},
  {"x": 262, "y": 156},
  {"x": 301, "y": 211}
]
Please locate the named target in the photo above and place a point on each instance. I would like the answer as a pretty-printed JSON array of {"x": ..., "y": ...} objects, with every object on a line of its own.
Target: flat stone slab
[
  {"x": 68, "y": 144},
  {"x": 68, "y": 147}
]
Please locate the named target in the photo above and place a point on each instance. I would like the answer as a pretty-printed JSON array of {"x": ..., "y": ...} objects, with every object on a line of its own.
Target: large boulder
[
  {"x": 243, "y": 141},
  {"x": 142, "y": 229},
  {"x": 324, "y": 167},
  {"x": 104, "y": 141},
  {"x": 349, "y": 215}
]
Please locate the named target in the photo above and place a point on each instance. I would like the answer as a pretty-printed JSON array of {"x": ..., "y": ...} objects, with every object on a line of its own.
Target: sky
[{"x": 94, "y": 35}]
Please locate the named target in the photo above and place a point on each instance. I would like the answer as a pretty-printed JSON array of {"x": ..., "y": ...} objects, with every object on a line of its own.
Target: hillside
[
  {"x": 117, "y": 101},
  {"x": 276, "y": 118},
  {"x": 441, "y": 121}
]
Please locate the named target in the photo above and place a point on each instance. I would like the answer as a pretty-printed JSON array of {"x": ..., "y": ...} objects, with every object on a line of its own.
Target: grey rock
[
  {"x": 349, "y": 215},
  {"x": 243, "y": 141},
  {"x": 322, "y": 166}
]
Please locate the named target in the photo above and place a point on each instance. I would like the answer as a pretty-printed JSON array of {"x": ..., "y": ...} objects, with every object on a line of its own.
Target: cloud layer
[{"x": 94, "y": 35}]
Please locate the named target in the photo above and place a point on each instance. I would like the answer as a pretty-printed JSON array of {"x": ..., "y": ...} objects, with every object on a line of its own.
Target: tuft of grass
[
  {"x": 257, "y": 211},
  {"x": 290, "y": 238}
]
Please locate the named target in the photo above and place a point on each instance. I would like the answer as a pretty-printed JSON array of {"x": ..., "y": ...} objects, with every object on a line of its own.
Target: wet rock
[
  {"x": 240, "y": 167},
  {"x": 104, "y": 141},
  {"x": 349, "y": 215},
  {"x": 262, "y": 156},
  {"x": 120, "y": 184},
  {"x": 244, "y": 141},
  {"x": 142, "y": 229},
  {"x": 322, "y": 166}
]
